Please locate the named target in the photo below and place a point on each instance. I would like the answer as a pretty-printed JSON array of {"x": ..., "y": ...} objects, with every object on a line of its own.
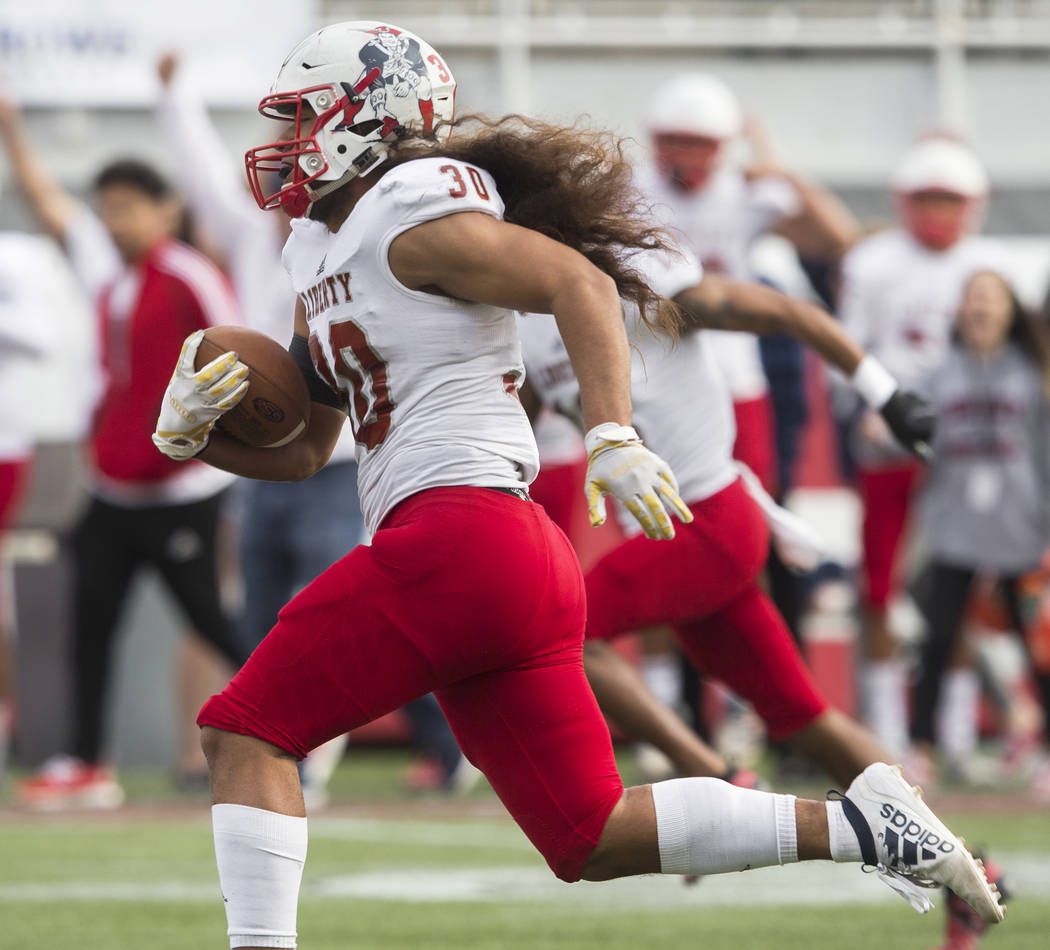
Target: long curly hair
[{"x": 571, "y": 184}]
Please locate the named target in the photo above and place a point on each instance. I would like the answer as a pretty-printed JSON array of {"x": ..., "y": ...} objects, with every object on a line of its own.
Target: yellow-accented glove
[
  {"x": 619, "y": 464},
  {"x": 195, "y": 399}
]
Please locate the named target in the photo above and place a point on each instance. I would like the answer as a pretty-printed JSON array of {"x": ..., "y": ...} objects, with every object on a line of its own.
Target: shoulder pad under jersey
[{"x": 429, "y": 188}]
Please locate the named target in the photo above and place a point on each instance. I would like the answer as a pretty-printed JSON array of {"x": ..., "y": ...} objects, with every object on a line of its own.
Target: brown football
[{"x": 276, "y": 407}]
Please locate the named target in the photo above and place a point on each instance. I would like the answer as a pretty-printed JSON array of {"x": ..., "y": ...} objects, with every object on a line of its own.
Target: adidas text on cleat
[{"x": 910, "y": 847}]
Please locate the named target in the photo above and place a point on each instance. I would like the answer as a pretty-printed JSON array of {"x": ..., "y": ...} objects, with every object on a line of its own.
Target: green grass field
[{"x": 388, "y": 870}]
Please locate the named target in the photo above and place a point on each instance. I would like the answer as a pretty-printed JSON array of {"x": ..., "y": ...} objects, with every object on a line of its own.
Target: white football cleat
[{"x": 910, "y": 847}]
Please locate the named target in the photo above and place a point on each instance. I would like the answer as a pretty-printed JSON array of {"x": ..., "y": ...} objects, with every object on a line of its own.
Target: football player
[
  {"x": 410, "y": 254},
  {"x": 705, "y": 582}
]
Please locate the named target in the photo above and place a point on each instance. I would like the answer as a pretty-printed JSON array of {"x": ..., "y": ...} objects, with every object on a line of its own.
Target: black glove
[{"x": 912, "y": 420}]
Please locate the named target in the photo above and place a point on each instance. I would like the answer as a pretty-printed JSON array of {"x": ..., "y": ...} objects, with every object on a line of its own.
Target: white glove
[
  {"x": 195, "y": 399},
  {"x": 620, "y": 465}
]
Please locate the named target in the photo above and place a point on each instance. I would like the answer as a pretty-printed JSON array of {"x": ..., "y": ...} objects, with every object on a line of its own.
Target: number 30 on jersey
[{"x": 364, "y": 374}]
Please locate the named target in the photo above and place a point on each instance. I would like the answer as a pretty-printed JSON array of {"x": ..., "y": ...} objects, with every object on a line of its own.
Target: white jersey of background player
[
  {"x": 719, "y": 215},
  {"x": 699, "y": 435},
  {"x": 901, "y": 287},
  {"x": 428, "y": 383}
]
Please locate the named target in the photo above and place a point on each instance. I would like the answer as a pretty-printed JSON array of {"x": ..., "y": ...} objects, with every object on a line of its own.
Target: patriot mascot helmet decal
[{"x": 349, "y": 92}]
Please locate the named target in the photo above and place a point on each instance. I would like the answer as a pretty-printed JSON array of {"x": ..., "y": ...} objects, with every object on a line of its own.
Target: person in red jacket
[{"x": 150, "y": 291}]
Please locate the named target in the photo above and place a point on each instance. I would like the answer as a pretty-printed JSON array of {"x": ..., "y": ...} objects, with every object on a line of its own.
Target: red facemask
[
  {"x": 283, "y": 158},
  {"x": 941, "y": 224},
  {"x": 687, "y": 160}
]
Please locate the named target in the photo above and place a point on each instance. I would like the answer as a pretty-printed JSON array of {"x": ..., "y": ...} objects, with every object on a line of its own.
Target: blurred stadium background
[{"x": 843, "y": 86}]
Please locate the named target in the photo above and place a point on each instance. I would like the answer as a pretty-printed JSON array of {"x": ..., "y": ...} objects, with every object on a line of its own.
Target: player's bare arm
[
  {"x": 293, "y": 462},
  {"x": 719, "y": 303},
  {"x": 825, "y": 228},
  {"x": 297, "y": 460},
  {"x": 51, "y": 203},
  {"x": 472, "y": 256}
]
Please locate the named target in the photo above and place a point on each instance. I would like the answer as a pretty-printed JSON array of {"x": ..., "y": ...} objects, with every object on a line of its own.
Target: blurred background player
[
  {"x": 433, "y": 602},
  {"x": 900, "y": 291},
  {"x": 984, "y": 507},
  {"x": 25, "y": 334},
  {"x": 289, "y": 532},
  {"x": 720, "y": 208},
  {"x": 703, "y": 582},
  {"x": 149, "y": 290},
  {"x": 722, "y": 619}
]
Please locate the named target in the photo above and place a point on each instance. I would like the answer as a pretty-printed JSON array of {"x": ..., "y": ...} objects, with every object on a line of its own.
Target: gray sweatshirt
[{"x": 985, "y": 503}]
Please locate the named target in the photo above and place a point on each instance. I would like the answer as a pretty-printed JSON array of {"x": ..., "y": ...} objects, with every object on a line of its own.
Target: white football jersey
[
  {"x": 682, "y": 407},
  {"x": 719, "y": 224},
  {"x": 899, "y": 298},
  {"x": 430, "y": 382}
]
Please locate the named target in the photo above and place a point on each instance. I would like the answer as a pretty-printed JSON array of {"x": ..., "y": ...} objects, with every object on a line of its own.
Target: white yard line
[{"x": 813, "y": 884}]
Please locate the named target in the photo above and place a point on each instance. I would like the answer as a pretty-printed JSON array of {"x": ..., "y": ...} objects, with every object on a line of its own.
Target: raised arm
[
  {"x": 213, "y": 186},
  {"x": 822, "y": 227},
  {"x": 91, "y": 252},
  {"x": 55, "y": 207}
]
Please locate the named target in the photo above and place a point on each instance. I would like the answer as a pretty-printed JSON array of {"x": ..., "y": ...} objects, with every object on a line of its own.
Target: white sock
[
  {"x": 707, "y": 826},
  {"x": 883, "y": 683},
  {"x": 663, "y": 675},
  {"x": 842, "y": 837},
  {"x": 260, "y": 855},
  {"x": 957, "y": 714}
]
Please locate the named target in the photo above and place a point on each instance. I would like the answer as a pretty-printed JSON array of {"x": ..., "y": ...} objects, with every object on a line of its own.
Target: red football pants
[
  {"x": 704, "y": 583},
  {"x": 559, "y": 488},
  {"x": 472, "y": 594},
  {"x": 886, "y": 494},
  {"x": 756, "y": 440}
]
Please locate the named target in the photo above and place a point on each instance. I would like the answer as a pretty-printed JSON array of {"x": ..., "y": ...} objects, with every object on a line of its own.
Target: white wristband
[
  {"x": 873, "y": 381},
  {"x": 608, "y": 432}
]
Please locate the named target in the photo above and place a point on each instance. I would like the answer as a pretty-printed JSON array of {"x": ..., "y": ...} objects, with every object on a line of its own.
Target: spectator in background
[
  {"x": 145, "y": 509},
  {"x": 24, "y": 334},
  {"x": 290, "y": 531},
  {"x": 985, "y": 504},
  {"x": 900, "y": 291}
]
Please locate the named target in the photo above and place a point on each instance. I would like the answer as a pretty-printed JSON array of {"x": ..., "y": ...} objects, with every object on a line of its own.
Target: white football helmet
[
  {"x": 945, "y": 167},
  {"x": 695, "y": 104},
  {"x": 940, "y": 164},
  {"x": 351, "y": 90}
]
